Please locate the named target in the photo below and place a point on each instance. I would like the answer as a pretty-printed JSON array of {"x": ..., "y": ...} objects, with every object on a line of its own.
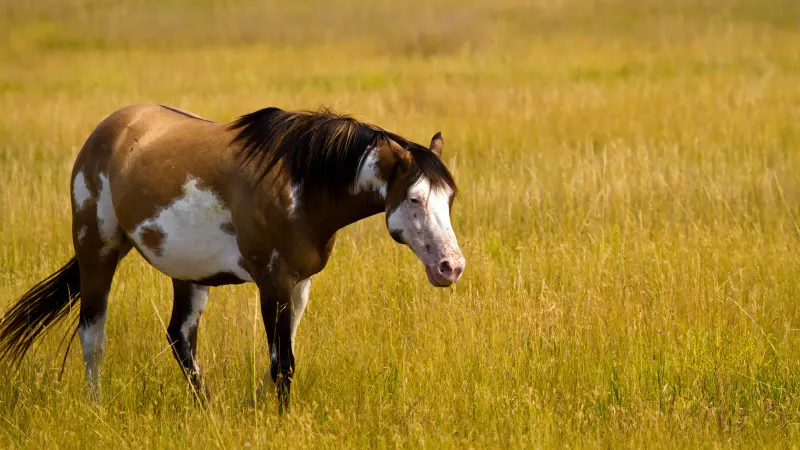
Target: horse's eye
[{"x": 415, "y": 200}]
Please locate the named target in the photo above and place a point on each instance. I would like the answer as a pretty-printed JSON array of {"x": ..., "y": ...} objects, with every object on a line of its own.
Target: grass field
[{"x": 629, "y": 212}]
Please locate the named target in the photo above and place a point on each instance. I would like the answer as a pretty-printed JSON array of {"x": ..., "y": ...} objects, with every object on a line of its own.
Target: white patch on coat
[
  {"x": 194, "y": 245},
  {"x": 107, "y": 223},
  {"x": 300, "y": 295},
  {"x": 294, "y": 198},
  {"x": 80, "y": 192},
  {"x": 93, "y": 344},
  {"x": 369, "y": 177},
  {"x": 273, "y": 357},
  {"x": 197, "y": 302},
  {"x": 272, "y": 258},
  {"x": 426, "y": 226},
  {"x": 81, "y": 234}
]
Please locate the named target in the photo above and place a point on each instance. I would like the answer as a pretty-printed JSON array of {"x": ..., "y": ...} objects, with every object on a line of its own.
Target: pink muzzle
[{"x": 446, "y": 272}]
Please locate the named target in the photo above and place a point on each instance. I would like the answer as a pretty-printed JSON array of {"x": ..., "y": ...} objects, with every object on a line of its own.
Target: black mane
[{"x": 323, "y": 149}]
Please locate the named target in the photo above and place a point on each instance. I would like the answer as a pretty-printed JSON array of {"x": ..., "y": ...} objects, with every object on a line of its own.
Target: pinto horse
[{"x": 257, "y": 200}]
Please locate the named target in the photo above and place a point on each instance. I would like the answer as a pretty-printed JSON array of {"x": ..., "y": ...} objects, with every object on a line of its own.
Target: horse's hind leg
[
  {"x": 99, "y": 246},
  {"x": 95, "y": 283},
  {"x": 97, "y": 270},
  {"x": 190, "y": 301}
]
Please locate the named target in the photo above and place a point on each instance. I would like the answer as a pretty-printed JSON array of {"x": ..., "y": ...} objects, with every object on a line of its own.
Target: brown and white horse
[{"x": 256, "y": 200}]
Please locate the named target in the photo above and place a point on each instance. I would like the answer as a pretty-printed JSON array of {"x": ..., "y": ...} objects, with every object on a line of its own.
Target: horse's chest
[{"x": 192, "y": 238}]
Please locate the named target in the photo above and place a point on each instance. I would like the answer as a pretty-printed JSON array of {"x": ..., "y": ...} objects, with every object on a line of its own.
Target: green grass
[{"x": 629, "y": 210}]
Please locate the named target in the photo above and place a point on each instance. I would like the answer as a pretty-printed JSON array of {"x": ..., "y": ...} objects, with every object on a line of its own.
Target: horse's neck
[{"x": 331, "y": 215}]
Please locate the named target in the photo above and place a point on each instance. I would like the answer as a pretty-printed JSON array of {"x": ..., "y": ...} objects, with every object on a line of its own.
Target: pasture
[{"x": 629, "y": 209}]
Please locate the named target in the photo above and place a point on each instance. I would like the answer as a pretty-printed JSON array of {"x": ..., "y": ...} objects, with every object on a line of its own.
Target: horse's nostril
[{"x": 445, "y": 268}]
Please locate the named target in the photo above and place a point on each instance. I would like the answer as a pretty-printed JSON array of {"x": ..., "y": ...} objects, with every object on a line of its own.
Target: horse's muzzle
[{"x": 446, "y": 272}]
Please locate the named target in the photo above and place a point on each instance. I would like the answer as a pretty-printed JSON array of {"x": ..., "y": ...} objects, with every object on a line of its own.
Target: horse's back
[{"x": 118, "y": 137}]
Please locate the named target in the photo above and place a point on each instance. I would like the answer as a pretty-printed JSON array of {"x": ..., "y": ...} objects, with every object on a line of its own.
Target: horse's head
[{"x": 419, "y": 195}]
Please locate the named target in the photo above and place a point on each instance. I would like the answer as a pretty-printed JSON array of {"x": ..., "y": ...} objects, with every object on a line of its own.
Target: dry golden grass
[{"x": 629, "y": 213}]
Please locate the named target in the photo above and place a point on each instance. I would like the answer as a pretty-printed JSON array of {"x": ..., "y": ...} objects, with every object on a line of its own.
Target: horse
[{"x": 257, "y": 200}]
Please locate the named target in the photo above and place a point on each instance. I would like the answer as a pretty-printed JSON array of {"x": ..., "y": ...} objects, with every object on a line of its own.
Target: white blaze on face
[{"x": 422, "y": 221}]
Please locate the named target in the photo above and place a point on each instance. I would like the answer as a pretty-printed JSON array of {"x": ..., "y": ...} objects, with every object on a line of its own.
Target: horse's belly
[{"x": 192, "y": 238}]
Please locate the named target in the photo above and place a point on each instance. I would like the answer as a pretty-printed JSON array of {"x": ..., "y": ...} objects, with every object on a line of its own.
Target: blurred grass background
[{"x": 628, "y": 210}]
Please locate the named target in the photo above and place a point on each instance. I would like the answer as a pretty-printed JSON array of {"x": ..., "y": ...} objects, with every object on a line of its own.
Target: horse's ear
[
  {"x": 399, "y": 155},
  {"x": 437, "y": 144}
]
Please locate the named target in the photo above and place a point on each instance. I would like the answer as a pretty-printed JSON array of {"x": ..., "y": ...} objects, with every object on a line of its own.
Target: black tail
[{"x": 36, "y": 312}]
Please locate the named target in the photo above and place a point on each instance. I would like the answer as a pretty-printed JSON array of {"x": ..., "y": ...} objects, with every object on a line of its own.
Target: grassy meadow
[{"x": 629, "y": 211}]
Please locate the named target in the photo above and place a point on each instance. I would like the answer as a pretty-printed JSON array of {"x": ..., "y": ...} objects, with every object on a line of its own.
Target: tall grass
[{"x": 629, "y": 211}]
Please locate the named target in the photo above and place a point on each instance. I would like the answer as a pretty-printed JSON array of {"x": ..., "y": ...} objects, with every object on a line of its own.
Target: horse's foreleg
[
  {"x": 300, "y": 295},
  {"x": 277, "y": 312},
  {"x": 189, "y": 303}
]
